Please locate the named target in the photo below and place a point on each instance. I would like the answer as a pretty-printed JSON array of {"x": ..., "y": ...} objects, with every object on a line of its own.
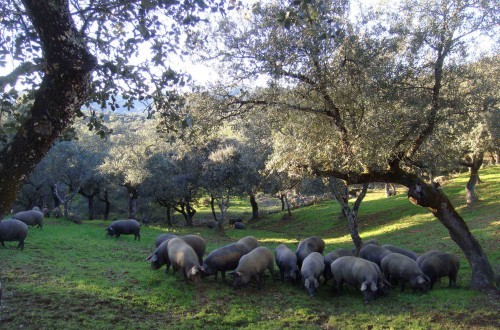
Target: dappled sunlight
[{"x": 278, "y": 240}]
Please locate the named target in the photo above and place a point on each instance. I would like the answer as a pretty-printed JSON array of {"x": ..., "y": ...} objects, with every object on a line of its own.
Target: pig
[
  {"x": 371, "y": 241},
  {"x": 286, "y": 261},
  {"x": 332, "y": 256},
  {"x": 373, "y": 253},
  {"x": 223, "y": 259},
  {"x": 402, "y": 251},
  {"x": 31, "y": 218},
  {"x": 13, "y": 230},
  {"x": 440, "y": 265},
  {"x": 312, "y": 268},
  {"x": 163, "y": 237},
  {"x": 184, "y": 258},
  {"x": 233, "y": 221},
  {"x": 124, "y": 227},
  {"x": 250, "y": 242},
  {"x": 360, "y": 273},
  {"x": 212, "y": 224},
  {"x": 160, "y": 256},
  {"x": 253, "y": 264},
  {"x": 46, "y": 212},
  {"x": 425, "y": 255},
  {"x": 239, "y": 225},
  {"x": 308, "y": 246},
  {"x": 57, "y": 212},
  {"x": 398, "y": 267},
  {"x": 198, "y": 243}
]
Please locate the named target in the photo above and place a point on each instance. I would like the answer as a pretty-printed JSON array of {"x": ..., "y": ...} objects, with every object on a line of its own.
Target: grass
[{"x": 71, "y": 276}]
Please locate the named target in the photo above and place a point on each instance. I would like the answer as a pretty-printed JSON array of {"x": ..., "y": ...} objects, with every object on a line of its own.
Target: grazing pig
[
  {"x": 373, "y": 253},
  {"x": 402, "y": 251},
  {"x": 286, "y": 260},
  {"x": 163, "y": 237},
  {"x": 198, "y": 243},
  {"x": 124, "y": 227},
  {"x": 233, "y": 221},
  {"x": 31, "y": 218},
  {"x": 312, "y": 268},
  {"x": 398, "y": 267},
  {"x": 308, "y": 246},
  {"x": 249, "y": 242},
  {"x": 13, "y": 230},
  {"x": 184, "y": 258},
  {"x": 239, "y": 225},
  {"x": 212, "y": 224},
  {"x": 160, "y": 256},
  {"x": 57, "y": 212},
  {"x": 223, "y": 259},
  {"x": 440, "y": 265},
  {"x": 46, "y": 212},
  {"x": 425, "y": 255},
  {"x": 253, "y": 264},
  {"x": 331, "y": 257},
  {"x": 360, "y": 273}
]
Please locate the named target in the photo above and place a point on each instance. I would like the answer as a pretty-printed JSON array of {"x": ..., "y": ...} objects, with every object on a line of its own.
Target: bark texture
[
  {"x": 438, "y": 203},
  {"x": 64, "y": 88}
]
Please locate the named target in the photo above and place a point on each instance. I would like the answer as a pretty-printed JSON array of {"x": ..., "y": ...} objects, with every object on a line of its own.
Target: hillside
[{"x": 71, "y": 276}]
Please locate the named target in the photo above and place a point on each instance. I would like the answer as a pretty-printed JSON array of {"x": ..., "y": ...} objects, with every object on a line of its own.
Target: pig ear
[
  {"x": 307, "y": 283},
  {"x": 316, "y": 284},
  {"x": 363, "y": 287},
  {"x": 420, "y": 280},
  {"x": 153, "y": 258},
  {"x": 149, "y": 258},
  {"x": 194, "y": 271},
  {"x": 374, "y": 287}
]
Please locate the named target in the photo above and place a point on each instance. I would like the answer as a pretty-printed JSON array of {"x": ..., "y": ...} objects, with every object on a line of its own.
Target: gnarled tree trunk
[
  {"x": 255, "y": 207},
  {"x": 474, "y": 163},
  {"x": 64, "y": 88},
  {"x": 341, "y": 194},
  {"x": 438, "y": 203}
]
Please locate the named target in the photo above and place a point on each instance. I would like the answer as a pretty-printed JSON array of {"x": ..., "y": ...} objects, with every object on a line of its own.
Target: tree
[
  {"x": 128, "y": 156},
  {"x": 342, "y": 86},
  {"x": 221, "y": 174},
  {"x": 69, "y": 52}
]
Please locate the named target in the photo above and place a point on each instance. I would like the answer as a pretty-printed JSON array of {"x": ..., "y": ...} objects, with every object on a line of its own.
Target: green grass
[{"x": 71, "y": 276}]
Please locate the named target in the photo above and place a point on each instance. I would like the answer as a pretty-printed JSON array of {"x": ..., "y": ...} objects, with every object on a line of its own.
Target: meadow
[{"x": 71, "y": 276}]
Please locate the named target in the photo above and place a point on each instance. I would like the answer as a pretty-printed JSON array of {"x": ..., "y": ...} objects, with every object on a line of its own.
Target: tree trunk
[
  {"x": 190, "y": 211},
  {"x": 91, "y": 207},
  {"x": 133, "y": 195},
  {"x": 169, "y": 216},
  {"x": 107, "y": 204},
  {"x": 66, "y": 208},
  {"x": 288, "y": 208},
  {"x": 428, "y": 196},
  {"x": 282, "y": 199},
  {"x": 64, "y": 88},
  {"x": 132, "y": 207},
  {"x": 255, "y": 207},
  {"x": 474, "y": 165},
  {"x": 388, "y": 190},
  {"x": 212, "y": 206},
  {"x": 341, "y": 193}
]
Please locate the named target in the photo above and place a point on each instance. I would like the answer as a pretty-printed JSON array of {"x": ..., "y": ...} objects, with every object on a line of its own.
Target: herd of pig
[{"x": 373, "y": 271}]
